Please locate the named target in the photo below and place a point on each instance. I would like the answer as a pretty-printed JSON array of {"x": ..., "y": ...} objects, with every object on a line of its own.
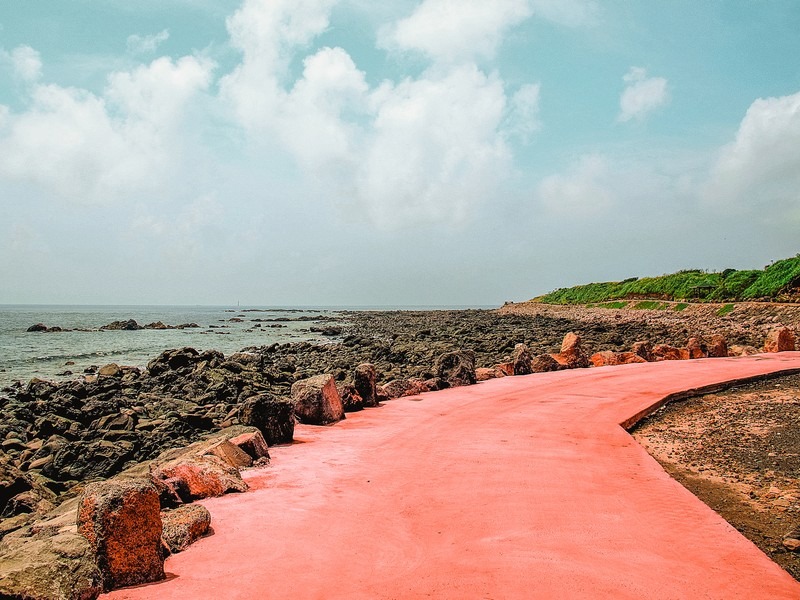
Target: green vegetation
[
  {"x": 725, "y": 310},
  {"x": 692, "y": 284},
  {"x": 680, "y": 307},
  {"x": 650, "y": 305}
]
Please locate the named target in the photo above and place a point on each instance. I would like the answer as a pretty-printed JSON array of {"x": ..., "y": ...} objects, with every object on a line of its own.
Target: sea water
[{"x": 66, "y": 354}]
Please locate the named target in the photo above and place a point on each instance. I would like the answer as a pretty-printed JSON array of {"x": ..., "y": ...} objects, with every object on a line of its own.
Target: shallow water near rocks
[{"x": 24, "y": 355}]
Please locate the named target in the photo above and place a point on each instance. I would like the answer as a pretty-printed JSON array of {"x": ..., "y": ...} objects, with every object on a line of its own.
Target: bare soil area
[{"x": 739, "y": 452}]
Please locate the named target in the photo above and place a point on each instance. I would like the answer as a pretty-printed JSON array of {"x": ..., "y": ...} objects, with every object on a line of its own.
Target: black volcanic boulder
[
  {"x": 173, "y": 360},
  {"x": 364, "y": 378},
  {"x": 272, "y": 416},
  {"x": 129, "y": 325},
  {"x": 317, "y": 401},
  {"x": 456, "y": 368},
  {"x": 37, "y": 327},
  {"x": 351, "y": 399}
]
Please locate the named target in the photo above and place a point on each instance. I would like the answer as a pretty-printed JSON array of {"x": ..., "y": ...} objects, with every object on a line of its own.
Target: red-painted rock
[
  {"x": 486, "y": 373},
  {"x": 253, "y": 443},
  {"x": 605, "y": 358},
  {"x": 121, "y": 520},
  {"x": 717, "y": 346},
  {"x": 272, "y": 416},
  {"x": 351, "y": 399},
  {"x": 521, "y": 360},
  {"x": 572, "y": 355},
  {"x": 643, "y": 350},
  {"x": 780, "y": 340},
  {"x": 545, "y": 363},
  {"x": 364, "y": 378},
  {"x": 317, "y": 401},
  {"x": 184, "y": 526},
  {"x": 195, "y": 477},
  {"x": 666, "y": 352},
  {"x": 456, "y": 368},
  {"x": 416, "y": 386},
  {"x": 697, "y": 348}
]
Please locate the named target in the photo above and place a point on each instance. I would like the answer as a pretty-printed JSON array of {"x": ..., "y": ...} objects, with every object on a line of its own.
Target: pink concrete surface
[{"x": 522, "y": 487}]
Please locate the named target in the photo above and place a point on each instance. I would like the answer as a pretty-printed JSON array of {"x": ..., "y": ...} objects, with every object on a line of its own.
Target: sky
[{"x": 349, "y": 152}]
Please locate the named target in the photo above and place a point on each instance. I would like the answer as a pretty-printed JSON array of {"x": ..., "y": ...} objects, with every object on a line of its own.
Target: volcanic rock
[
  {"x": 184, "y": 526},
  {"x": 317, "y": 401},
  {"x": 456, "y": 368},
  {"x": 122, "y": 522},
  {"x": 274, "y": 417},
  {"x": 521, "y": 360},
  {"x": 364, "y": 378},
  {"x": 572, "y": 355},
  {"x": 780, "y": 340}
]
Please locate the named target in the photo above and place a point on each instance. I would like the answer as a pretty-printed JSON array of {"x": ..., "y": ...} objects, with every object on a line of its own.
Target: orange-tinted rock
[
  {"x": 231, "y": 454},
  {"x": 604, "y": 359},
  {"x": 317, "y": 401},
  {"x": 666, "y": 352},
  {"x": 629, "y": 358},
  {"x": 684, "y": 353},
  {"x": 486, "y": 373},
  {"x": 521, "y": 360},
  {"x": 780, "y": 340},
  {"x": 416, "y": 386},
  {"x": 253, "y": 443},
  {"x": 737, "y": 350},
  {"x": 572, "y": 354},
  {"x": 506, "y": 368},
  {"x": 184, "y": 526},
  {"x": 545, "y": 363},
  {"x": 122, "y": 522},
  {"x": 196, "y": 477},
  {"x": 718, "y": 346},
  {"x": 696, "y": 348},
  {"x": 644, "y": 350}
]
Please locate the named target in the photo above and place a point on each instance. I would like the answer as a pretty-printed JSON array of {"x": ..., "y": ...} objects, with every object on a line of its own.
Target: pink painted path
[{"x": 523, "y": 487}]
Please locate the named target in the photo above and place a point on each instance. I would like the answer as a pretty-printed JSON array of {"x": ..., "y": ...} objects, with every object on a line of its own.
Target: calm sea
[{"x": 25, "y": 355}]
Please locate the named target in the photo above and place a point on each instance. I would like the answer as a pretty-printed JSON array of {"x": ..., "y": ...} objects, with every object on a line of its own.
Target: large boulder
[
  {"x": 545, "y": 363},
  {"x": 317, "y": 401},
  {"x": 605, "y": 358},
  {"x": 780, "y": 340},
  {"x": 697, "y": 348},
  {"x": 194, "y": 476},
  {"x": 253, "y": 443},
  {"x": 129, "y": 325},
  {"x": 274, "y": 417},
  {"x": 737, "y": 350},
  {"x": 351, "y": 399},
  {"x": 717, "y": 346},
  {"x": 521, "y": 360},
  {"x": 60, "y": 566},
  {"x": 456, "y": 368},
  {"x": 572, "y": 355},
  {"x": 122, "y": 522},
  {"x": 486, "y": 373},
  {"x": 394, "y": 389},
  {"x": 184, "y": 526},
  {"x": 173, "y": 360},
  {"x": 364, "y": 378},
  {"x": 666, "y": 352}
]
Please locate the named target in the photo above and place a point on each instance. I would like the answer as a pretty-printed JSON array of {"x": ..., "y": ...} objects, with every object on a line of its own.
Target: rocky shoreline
[{"x": 59, "y": 437}]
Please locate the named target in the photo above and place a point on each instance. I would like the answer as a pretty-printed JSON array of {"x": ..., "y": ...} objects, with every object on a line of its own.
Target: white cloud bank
[
  {"x": 759, "y": 172},
  {"x": 642, "y": 95},
  {"x": 146, "y": 44}
]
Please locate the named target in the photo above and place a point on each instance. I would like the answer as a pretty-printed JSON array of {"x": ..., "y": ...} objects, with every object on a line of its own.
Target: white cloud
[
  {"x": 100, "y": 148},
  {"x": 759, "y": 171},
  {"x": 523, "y": 118},
  {"x": 146, "y": 44},
  {"x": 587, "y": 189},
  {"x": 27, "y": 63},
  {"x": 642, "y": 94},
  {"x": 454, "y": 30}
]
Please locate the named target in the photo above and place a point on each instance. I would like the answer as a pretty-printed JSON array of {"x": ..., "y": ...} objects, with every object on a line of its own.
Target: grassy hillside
[{"x": 696, "y": 285}]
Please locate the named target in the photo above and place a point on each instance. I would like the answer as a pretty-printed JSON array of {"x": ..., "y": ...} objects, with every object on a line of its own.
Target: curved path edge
[{"x": 522, "y": 487}]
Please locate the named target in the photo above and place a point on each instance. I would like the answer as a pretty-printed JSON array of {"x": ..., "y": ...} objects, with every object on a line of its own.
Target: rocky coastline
[{"x": 182, "y": 427}]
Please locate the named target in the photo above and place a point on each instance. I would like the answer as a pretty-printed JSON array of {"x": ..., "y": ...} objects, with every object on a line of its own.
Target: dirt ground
[{"x": 739, "y": 452}]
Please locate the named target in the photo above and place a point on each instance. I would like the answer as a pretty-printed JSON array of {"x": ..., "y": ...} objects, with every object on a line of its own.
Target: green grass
[
  {"x": 728, "y": 308},
  {"x": 691, "y": 284},
  {"x": 650, "y": 305},
  {"x": 681, "y": 306}
]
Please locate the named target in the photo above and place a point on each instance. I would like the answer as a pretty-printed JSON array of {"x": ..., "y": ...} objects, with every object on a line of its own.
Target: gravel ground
[{"x": 739, "y": 452}]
